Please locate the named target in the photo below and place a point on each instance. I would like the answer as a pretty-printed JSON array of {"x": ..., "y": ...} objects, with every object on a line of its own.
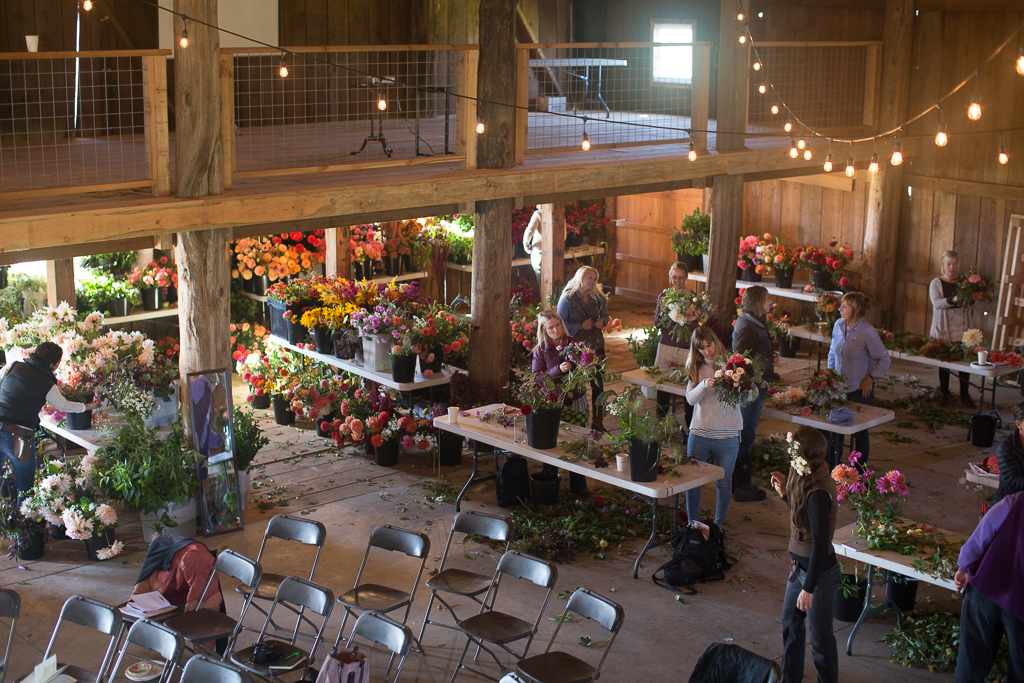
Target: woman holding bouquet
[
  {"x": 951, "y": 317},
  {"x": 584, "y": 308},
  {"x": 670, "y": 349},
  {"x": 857, "y": 352},
  {"x": 552, "y": 336},
  {"x": 715, "y": 428}
]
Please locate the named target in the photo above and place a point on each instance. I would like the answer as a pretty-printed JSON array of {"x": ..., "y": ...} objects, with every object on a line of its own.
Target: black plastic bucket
[
  {"x": 983, "y": 430},
  {"x": 545, "y": 488},
  {"x": 849, "y": 608}
]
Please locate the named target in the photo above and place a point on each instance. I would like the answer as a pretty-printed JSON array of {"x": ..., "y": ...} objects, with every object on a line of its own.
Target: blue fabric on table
[{"x": 841, "y": 416}]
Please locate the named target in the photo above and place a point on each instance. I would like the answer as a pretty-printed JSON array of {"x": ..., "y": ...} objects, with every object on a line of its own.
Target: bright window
[{"x": 673, "y": 64}]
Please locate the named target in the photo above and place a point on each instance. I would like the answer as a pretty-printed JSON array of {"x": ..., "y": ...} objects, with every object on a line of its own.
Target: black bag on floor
[
  {"x": 723, "y": 663},
  {"x": 513, "y": 484},
  {"x": 695, "y": 558}
]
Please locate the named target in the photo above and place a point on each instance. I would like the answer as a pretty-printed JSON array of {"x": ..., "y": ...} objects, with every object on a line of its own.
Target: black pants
[
  {"x": 982, "y": 625},
  {"x": 965, "y": 382},
  {"x": 576, "y": 481}
]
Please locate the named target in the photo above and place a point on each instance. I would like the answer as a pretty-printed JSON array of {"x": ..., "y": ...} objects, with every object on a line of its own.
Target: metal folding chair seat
[
  {"x": 157, "y": 638},
  {"x": 10, "y": 607},
  {"x": 91, "y": 614},
  {"x": 380, "y": 630},
  {"x": 372, "y": 597},
  {"x": 492, "y": 627},
  {"x": 202, "y": 669},
  {"x": 460, "y": 582},
  {"x": 295, "y": 595},
  {"x": 561, "y": 667},
  {"x": 285, "y": 528},
  {"x": 203, "y": 625}
]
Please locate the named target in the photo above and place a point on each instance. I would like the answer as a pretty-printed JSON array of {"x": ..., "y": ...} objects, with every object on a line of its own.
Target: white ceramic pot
[{"x": 376, "y": 355}]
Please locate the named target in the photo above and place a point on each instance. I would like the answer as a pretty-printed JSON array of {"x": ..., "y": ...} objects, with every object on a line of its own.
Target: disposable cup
[
  {"x": 621, "y": 462},
  {"x": 982, "y": 357},
  {"x": 32, "y": 43},
  {"x": 453, "y": 415}
]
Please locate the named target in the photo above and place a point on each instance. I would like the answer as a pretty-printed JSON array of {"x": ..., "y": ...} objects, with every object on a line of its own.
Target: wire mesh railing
[{"x": 73, "y": 120}]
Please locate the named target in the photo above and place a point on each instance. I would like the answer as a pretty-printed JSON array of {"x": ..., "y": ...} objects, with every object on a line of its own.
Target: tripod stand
[{"x": 378, "y": 135}]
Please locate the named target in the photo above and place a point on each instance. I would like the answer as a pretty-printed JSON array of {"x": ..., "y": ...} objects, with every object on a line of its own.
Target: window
[{"x": 673, "y": 65}]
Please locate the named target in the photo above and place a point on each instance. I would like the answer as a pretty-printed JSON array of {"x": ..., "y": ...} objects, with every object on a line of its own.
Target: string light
[
  {"x": 940, "y": 133},
  {"x": 873, "y": 166},
  {"x": 479, "y": 127},
  {"x": 585, "y": 145},
  {"x": 897, "y": 151},
  {"x": 382, "y": 103},
  {"x": 807, "y": 154},
  {"x": 789, "y": 125},
  {"x": 801, "y": 143},
  {"x": 692, "y": 154},
  {"x": 793, "y": 152},
  {"x": 828, "y": 158},
  {"x": 740, "y": 16},
  {"x": 183, "y": 41},
  {"x": 775, "y": 109},
  {"x": 1003, "y": 158},
  {"x": 1020, "y": 61},
  {"x": 282, "y": 69},
  {"x": 762, "y": 88},
  {"x": 850, "y": 168},
  {"x": 757, "y": 66},
  {"x": 87, "y": 5},
  {"x": 974, "y": 110}
]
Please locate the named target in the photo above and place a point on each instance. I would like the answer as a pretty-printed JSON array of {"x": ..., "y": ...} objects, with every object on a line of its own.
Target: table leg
[
  {"x": 868, "y": 611},
  {"x": 473, "y": 479},
  {"x": 650, "y": 541},
  {"x": 600, "y": 98}
]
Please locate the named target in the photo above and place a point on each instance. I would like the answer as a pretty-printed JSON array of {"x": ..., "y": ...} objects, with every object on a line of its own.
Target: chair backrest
[
  {"x": 239, "y": 567},
  {"x": 590, "y": 605},
  {"x": 288, "y": 528},
  {"x": 202, "y": 669},
  {"x": 516, "y": 564},
  {"x": 412, "y": 543},
  {"x": 10, "y": 607},
  {"x": 491, "y": 527},
  {"x": 93, "y": 614},
  {"x": 156, "y": 638},
  {"x": 300, "y": 592},
  {"x": 377, "y": 628}
]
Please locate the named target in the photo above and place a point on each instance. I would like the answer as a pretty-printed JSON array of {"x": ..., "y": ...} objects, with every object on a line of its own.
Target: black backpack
[
  {"x": 694, "y": 559},
  {"x": 513, "y": 483}
]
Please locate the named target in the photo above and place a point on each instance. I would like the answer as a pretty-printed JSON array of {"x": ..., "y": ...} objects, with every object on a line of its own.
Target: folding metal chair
[
  {"x": 156, "y": 638},
  {"x": 203, "y": 625},
  {"x": 380, "y": 630},
  {"x": 562, "y": 667},
  {"x": 459, "y": 582},
  {"x": 384, "y": 599},
  {"x": 10, "y": 606},
  {"x": 202, "y": 669},
  {"x": 296, "y": 595},
  {"x": 285, "y": 528},
  {"x": 499, "y": 628},
  {"x": 91, "y": 614}
]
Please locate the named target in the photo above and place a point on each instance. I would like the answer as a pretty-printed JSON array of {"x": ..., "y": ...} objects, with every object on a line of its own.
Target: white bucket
[
  {"x": 376, "y": 355},
  {"x": 167, "y": 412}
]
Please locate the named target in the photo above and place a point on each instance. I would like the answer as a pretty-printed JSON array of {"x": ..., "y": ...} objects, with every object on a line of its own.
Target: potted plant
[
  {"x": 81, "y": 389},
  {"x": 824, "y": 263},
  {"x": 26, "y": 534},
  {"x": 385, "y": 327},
  {"x": 280, "y": 366},
  {"x": 287, "y": 301},
  {"x": 117, "y": 264},
  {"x": 438, "y": 333},
  {"x": 580, "y": 221},
  {"x": 249, "y": 440},
  {"x": 252, "y": 258},
  {"x": 459, "y": 234},
  {"x": 772, "y": 253},
  {"x": 641, "y": 429},
  {"x": 255, "y": 371},
  {"x": 541, "y": 402},
  {"x": 386, "y": 433},
  {"x": 747, "y": 260},
  {"x": 152, "y": 282},
  {"x": 692, "y": 239},
  {"x": 314, "y": 396},
  {"x": 101, "y": 292},
  {"x": 365, "y": 246}
]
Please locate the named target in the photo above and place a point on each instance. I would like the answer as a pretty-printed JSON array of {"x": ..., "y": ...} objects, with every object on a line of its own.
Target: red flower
[
  {"x": 377, "y": 440},
  {"x": 844, "y": 281},
  {"x": 525, "y": 410},
  {"x": 739, "y": 300},
  {"x": 832, "y": 243}
]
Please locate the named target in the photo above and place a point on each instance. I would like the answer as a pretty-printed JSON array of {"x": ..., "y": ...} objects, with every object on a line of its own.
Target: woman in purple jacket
[{"x": 552, "y": 335}]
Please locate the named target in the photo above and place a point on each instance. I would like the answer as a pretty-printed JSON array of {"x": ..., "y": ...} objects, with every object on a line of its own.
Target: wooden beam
[
  {"x": 808, "y": 176},
  {"x": 115, "y": 25},
  {"x": 726, "y": 231},
  {"x": 967, "y": 187},
  {"x": 56, "y": 253},
  {"x": 733, "y": 80},
  {"x": 466, "y": 116},
  {"x": 552, "y": 265},
  {"x": 154, "y": 85},
  {"x": 198, "y": 156},
  {"x": 701, "y": 95},
  {"x": 522, "y": 102},
  {"x": 336, "y": 261},
  {"x": 60, "y": 282},
  {"x": 227, "y": 117}
]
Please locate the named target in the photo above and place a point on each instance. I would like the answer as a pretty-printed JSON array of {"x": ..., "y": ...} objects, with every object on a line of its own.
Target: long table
[
  {"x": 585, "y": 63},
  {"x": 90, "y": 439},
  {"x": 668, "y": 485},
  {"x": 847, "y": 544},
  {"x": 797, "y": 292}
]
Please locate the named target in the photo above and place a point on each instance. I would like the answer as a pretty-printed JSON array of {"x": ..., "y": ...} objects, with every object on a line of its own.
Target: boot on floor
[{"x": 967, "y": 402}]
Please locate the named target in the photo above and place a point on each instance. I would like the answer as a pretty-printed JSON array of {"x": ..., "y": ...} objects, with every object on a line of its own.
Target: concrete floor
[{"x": 662, "y": 637}]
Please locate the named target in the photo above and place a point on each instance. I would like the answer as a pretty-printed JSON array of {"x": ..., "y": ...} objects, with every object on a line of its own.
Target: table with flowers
[{"x": 668, "y": 485}]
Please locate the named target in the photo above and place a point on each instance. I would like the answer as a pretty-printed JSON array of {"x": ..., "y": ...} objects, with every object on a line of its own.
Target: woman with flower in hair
[
  {"x": 552, "y": 337},
  {"x": 814, "y": 572},
  {"x": 950, "y": 319}
]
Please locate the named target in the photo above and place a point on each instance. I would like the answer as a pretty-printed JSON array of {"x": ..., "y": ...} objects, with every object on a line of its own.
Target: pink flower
[
  {"x": 974, "y": 279},
  {"x": 806, "y": 410},
  {"x": 978, "y": 296}
]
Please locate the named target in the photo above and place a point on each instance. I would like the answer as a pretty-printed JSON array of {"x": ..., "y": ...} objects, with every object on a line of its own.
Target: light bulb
[
  {"x": 740, "y": 16},
  {"x": 87, "y": 5},
  {"x": 692, "y": 155},
  {"x": 743, "y": 39},
  {"x": 282, "y": 71},
  {"x": 1020, "y": 61},
  {"x": 807, "y": 154},
  {"x": 788, "y": 127},
  {"x": 940, "y": 136},
  {"x": 762, "y": 88},
  {"x": 974, "y": 110},
  {"x": 479, "y": 127},
  {"x": 586, "y": 142},
  {"x": 1003, "y": 158},
  {"x": 793, "y": 152},
  {"x": 801, "y": 143},
  {"x": 897, "y": 154},
  {"x": 775, "y": 109},
  {"x": 828, "y": 163},
  {"x": 850, "y": 169},
  {"x": 382, "y": 104},
  {"x": 757, "y": 66},
  {"x": 183, "y": 41},
  {"x": 873, "y": 166}
]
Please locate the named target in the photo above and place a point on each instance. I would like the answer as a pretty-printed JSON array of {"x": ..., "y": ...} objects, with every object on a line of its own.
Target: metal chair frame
[
  {"x": 92, "y": 614},
  {"x": 589, "y": 605},
  {"x": 10, "y": 607},
  {"x": 387, "y": 537},
  {"x": 292, "y": 592},
  {"x": 154, "y": 637},
  {"x": 202, "y": 669},
  {"x": 491, "y": 527},
  {"x": 381, "y": 630},
  {"x": 519, "y": 566},
  {"x": 286, "y": 528}
]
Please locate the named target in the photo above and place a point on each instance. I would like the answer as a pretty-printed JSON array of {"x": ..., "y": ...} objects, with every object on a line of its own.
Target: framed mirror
[{"x": 220, "y": 502}]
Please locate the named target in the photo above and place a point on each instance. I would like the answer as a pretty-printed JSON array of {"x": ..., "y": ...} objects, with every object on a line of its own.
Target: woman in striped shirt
[{"x": 715, "y": 428}]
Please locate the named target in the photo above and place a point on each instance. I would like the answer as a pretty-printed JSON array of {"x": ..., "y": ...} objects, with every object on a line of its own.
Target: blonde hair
[
  {"x": 859, "y": 302},
  {"x": 542, "y": 319},
  {"x": 754, "y": 299},
  {"x": 947, "y": 255},
  {"x": 695, "y": 359},
  {"x": 681, "y": 267},
  {"x": 573, "y": 285}
]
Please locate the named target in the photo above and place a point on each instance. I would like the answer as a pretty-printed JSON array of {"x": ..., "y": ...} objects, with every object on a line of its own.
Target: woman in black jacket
[{"x": 1010, "y": 456}]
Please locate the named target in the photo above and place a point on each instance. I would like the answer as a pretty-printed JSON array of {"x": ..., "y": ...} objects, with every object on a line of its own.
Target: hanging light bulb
[
  {"x": 183, "y": 41},
  {"x": 762, "y": 88},
  {"x": 87, "y": 5},
  {"x": 382, "y": 103},
  {"x": 793, "y": 151},
  {"x": 974, "y": 109},
  {"x": 873, "y": 166},
  {"x": 897, "y": 152},
  {"x": 757, "y": 66},
  {"x": 743, "y": 38},
  {"x": 282, "y": 69},
  {"x": 692, "y": 154},
  {"x": 850, "y": 168},
  {"x": 479, "y": 127},
  {"x": 788, "y": 127},
  {"x": 586, "y": 142},
  {"x": 1020, "y": 61},
  {"x": 775, "y": 109},
  {"x": 1003, "y": 158},
  {"x": 940, "y": 136},
  {"x": 801, "y": 143},
  {"x": 828, "y": 163},
  {"x": 740, "y": 16},
  {"x": 807, "y": 154}
]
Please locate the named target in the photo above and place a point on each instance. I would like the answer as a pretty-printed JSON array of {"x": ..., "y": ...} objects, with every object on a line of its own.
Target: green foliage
[
  {"x": 243, "y": 309},
  {"x": 929, "y": 640},
  {"x": 694, "y": 235},
  {"x": 636, "y": 422},
  {"x": 897, "y": 438},
  {"x": 12, "y": 307},
  {"x": 249, "y": 438},
  {"x": 644, "y": 346},
  {"x": 97, "y": 290},
  {"x": 115, "y": 262},
  {"x": 922, "y": 407},
  {"x": 770, "y": 456}
]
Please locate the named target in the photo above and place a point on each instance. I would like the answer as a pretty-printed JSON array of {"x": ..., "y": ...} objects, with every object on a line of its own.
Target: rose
[
  {"x": 806, "y": 410},
  {"x": 525, "y": 410}
]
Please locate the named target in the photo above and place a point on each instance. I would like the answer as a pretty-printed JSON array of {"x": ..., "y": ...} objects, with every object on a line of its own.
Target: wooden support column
[
  {"x": 154, "y": 84},
  {"x": 60, "y": 282},
  {"x": 492, "y": 248},
  {"x": 733, "y": 74},
  {"x": 336, "y": 259},
  {"x": 465, "y": 137},
  {"x": 227, "y": 116},
  {"x": 881, "y": 231},
  {"x": 197, "y": 140},
  {"x": 552, "y": 265},
  {"x": 726, "y": 230}
]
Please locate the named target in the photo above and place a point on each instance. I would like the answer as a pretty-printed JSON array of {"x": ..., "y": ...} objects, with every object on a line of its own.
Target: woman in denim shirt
[
  {"x": 584, "y": 308},
  {"x": 858, "y": 353}
]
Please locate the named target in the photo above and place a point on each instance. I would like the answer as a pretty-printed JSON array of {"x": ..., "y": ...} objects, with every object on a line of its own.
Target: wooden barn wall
[{"x": 54, "y": 22}]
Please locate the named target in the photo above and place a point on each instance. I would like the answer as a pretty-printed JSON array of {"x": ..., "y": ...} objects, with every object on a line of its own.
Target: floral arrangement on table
[
  {"x": 826, "y": 307},
  {"x": 168, "y": 347},
  {"x": 736, "y": 379},
  {"x": 279, "y": 365},
  {"x": 778, "y": 325},
  {"x": 538, "y": 391},
  {"x": 366, "y": 242},
  {"x": 772, "y": 253},
  {"x": 974, "y": 288},
  {"x": 440, "y": 330},
  {"x": 747, "y": 257},
  {"x": 826, "y": 389},
  {"x": 385, "y": 320},
  {"x": 636, "y": 421},
  {"x": 247, "y": 338},
  {"x": 458, "y": 230},
  {"x": 411, "y": 233},
  {"x": 970, "y": 344},
  {"x": 793, "y": 396},
  {"x": 830, "y": 259},
  {"x": 256, "y": 372},
  {"x": 693, "y": 235},
  {"x": 678, "y": 308},
  {"x": 521, "y": 219},
  {"x": 583, "y": 220},
  {"x": 389, "y": 427},
  {"x": 154, "y": 275},
  {"x": 315, "y": 395},
  {"x": 295, "y": 293}
]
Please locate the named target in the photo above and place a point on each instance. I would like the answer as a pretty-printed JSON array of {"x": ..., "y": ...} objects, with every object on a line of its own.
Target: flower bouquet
[
  {"x": 247, "y": 338},
  {"x": 581, "y": 220},
  {"x": 875, "y": 498},
  {"x": 693, "y": 236},
  {"x": 366, "y": 242},
  {"x": 736, "y": 380},
  {"x": 827, "y": 309},
  {"x": 747, "y": 257},
  {"x": 791, "y": 397},
  {"x": 778, "y": 325},
  {"x": 252, "y": 255},
  {"x": 641, "y": 429},
  {"x": 774, "y": 254},
  {"x": 970, "y": 344},
  {"x": 973, "y": 288},
  {"x": 154, "y": 275},
  {"x": 826, "y": 389},
  {"x": 677, "y": 308},
  {"x": 586, "y": 365}
]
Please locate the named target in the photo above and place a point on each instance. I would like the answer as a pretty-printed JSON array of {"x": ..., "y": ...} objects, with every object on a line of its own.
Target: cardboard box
[{"x": 550, "y": 104}]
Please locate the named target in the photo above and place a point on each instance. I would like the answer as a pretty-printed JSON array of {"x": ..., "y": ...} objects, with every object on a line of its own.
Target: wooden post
[
  {"x": 60, "y": 282},
  {"x": 336, "y": 260},
  {"x": 522, "y": 102},
  {"x": 492, "y": 246},
  {"x": 466, "y": 116},
  {"x": 881, "y": 230},
  {"x": 552, "y": 265},
  {"x": 227, "y": 116},
  {"x": 611, "y": 238},
  {"x": 198, "y": 159},
  {"x": 154, "y": 85},
  {"x": 701, "y": 95},
  {"x": 726, "y": 230},
  {"x": 733, "y": 74}
]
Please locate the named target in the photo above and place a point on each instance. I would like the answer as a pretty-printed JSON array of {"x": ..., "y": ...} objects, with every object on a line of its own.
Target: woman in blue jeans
[{"x": 715, "y": 427}]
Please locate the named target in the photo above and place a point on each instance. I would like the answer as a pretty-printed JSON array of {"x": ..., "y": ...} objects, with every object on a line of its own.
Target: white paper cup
[
  {"x": 982, "y": 357},
  {"x": 621, "y": 462},
  {"x": 32, "y": 43},
  {"x": 453, "y": 415}
]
